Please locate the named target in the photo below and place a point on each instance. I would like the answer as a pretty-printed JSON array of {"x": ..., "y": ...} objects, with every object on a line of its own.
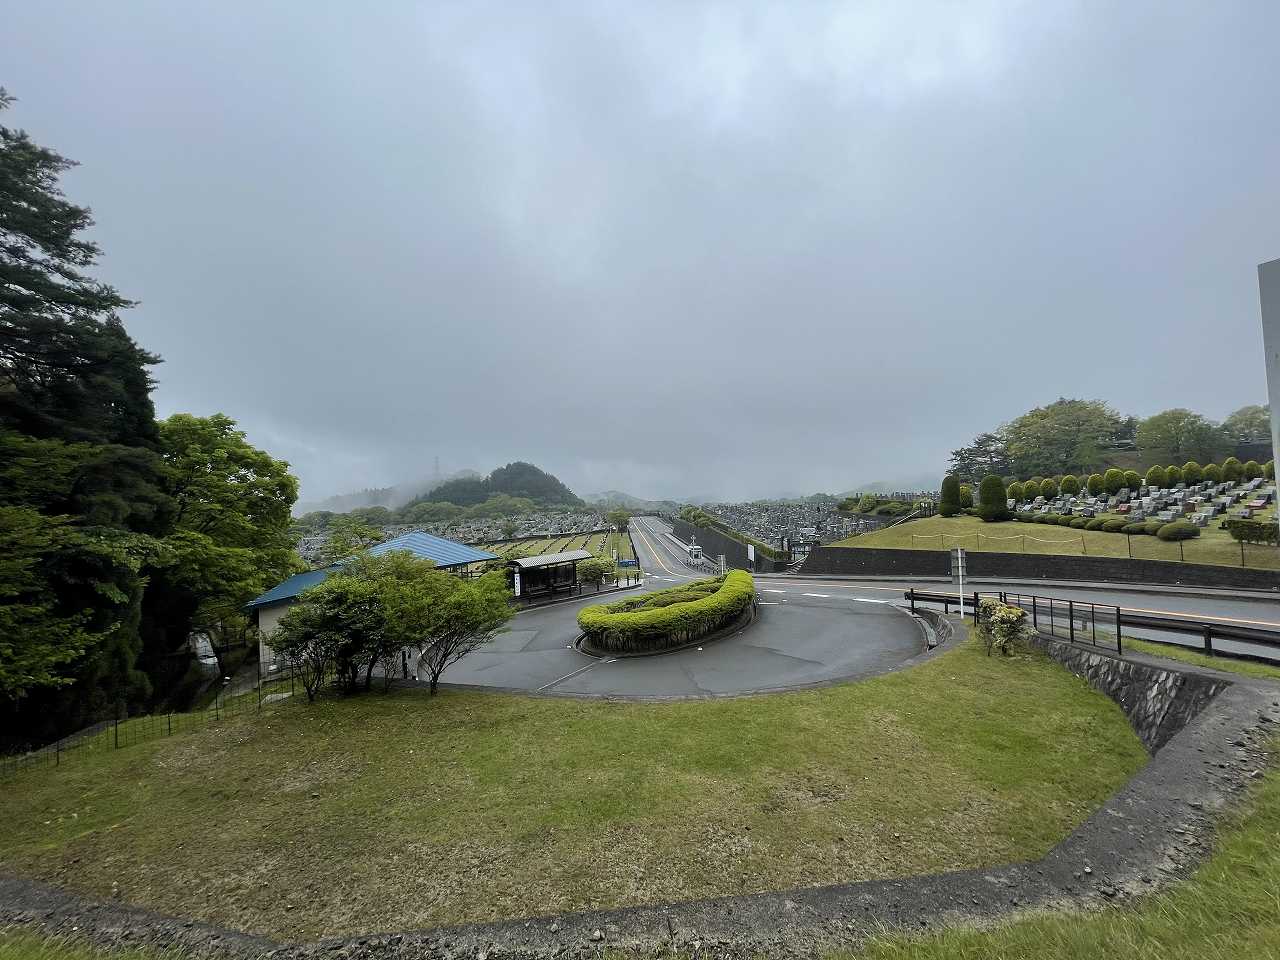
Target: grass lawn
[
  {"x": 1228, "y": 910},
  {"x": 1012, "y": 536},
  {"x": 20, "y": 944},
  {"x": 1249, "y": 668},
  {"x": 399, "y": 811}
]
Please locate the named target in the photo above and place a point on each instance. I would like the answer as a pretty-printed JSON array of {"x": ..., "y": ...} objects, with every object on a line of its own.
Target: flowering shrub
[{"x": 1000, "y": 627}]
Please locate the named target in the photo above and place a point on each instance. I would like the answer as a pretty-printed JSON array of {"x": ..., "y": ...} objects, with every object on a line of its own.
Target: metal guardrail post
[
  {"x": 1071, "y": 621},
  {"x": 1035, "y": 614},
  {"x": 1208, "y": 640},
  {"x": 911, "y": 595},
  {"x": 1118, "y": 649}
]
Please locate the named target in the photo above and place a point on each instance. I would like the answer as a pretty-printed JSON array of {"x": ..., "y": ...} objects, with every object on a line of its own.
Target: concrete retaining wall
[
  {"x": 714, "y": 543},
  {"x": 855, "y": 561}
]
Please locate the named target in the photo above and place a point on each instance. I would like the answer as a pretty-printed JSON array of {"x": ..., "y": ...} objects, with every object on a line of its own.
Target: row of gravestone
[{"x": 1198, "y": 503}]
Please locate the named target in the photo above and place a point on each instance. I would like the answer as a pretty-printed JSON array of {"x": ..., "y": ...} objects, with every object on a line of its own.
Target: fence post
[
  {"x": 911, "y": 595},
  {"x": 1071, "y": 619},
  {"x": 169, "y": 717},
  {"x": 1242, "y": 553},
  {"x": 117, "y": 725},
  {"x": 975, "y": 607},
  {"x": 1035, "y": 613},
  {"x": 1182, "y": 557},
  {"x": 1118, "y": 649},
  {"x": 1128, "y": 537},
  {"x": 1208, "y": 639},
  {"x": 1051, "y": 623}
]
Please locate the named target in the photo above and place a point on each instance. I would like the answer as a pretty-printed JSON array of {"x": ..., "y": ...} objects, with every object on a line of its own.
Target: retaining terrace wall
[
  {"x": 1158, "y": 701},
  {"x": 855, "y": 561},
  {"x": 714, "y": 543}
]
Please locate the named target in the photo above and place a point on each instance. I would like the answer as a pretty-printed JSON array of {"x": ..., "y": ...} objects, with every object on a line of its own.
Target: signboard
[
  {"x": 958, "y": 562},
  {"x": 751, "y": 553},
  {"x": 516, "y": 581}
]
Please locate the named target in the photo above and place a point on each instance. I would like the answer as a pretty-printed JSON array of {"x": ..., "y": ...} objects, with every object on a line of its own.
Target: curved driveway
[{"x": 802, "y": 639}]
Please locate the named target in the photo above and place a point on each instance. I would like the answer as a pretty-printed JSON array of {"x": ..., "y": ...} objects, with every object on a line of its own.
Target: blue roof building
[{"x": 444, "y": 553}]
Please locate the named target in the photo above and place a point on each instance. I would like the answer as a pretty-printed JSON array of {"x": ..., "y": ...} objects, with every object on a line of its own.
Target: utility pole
[{"x": 1269, "y": 297}]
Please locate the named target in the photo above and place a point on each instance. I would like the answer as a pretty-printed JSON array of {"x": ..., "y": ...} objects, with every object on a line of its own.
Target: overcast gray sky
[{"x": 676, "y": 249}]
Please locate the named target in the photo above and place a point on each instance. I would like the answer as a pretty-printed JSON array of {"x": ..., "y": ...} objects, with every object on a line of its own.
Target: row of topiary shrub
[
  {"x": 1114, "y": 480},
  {"x": 1165, "y": 530},
  {"x": 670, "y": 618}
]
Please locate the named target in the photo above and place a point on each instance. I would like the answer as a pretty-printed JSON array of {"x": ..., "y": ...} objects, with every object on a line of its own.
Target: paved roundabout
[{"x": 797, "y": 639}]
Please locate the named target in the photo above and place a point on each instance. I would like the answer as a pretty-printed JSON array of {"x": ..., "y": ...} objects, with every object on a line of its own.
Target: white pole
[{"x": 960, "y": 571}]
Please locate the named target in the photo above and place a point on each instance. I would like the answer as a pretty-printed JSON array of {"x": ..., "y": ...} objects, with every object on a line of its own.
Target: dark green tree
[
  {"x": 992, "y": 499},
  {"x": 949, "y": 496}
]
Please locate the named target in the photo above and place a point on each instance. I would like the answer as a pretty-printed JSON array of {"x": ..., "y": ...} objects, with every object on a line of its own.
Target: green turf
[
  {"x": 1229, "y": 910},
  {"x": 396, "y": 811},
  {"x": 1012, "y": 536},
  {"x": 21, "y": 944},
  {"x": 1248, "y": 668}
]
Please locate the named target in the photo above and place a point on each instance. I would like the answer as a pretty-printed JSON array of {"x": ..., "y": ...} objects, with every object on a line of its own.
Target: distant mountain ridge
[
  {"x": 617, "y": 498},
  {"x": 517, "y": 479},
  {"x": 389, "y": 497}
]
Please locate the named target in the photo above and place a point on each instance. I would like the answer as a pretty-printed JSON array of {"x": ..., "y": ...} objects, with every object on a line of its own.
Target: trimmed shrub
[
  {"x": 966, "y": 496},
  {"x": 1002, "y": 628},
  {"x": 1269, "y": 469},
  {"x": 1112, "y": 480},
  {"x": 1026, "y": 516},
  {"x": 1252, "y": 531},
  {"x": 1032, "y": 487},
  {"x": 1192, "y": 472},
  {"x": 1252, "y": 470},
  {"x": 1095, "y": 485},
  {"x": 1114, "y": 525},
  {"x": 1132, "y": 479},
  {"x": 1156, "y": 477},
  {"x": 1079, "y": 522},
  {"x": 1213, "y": 473},
  {"x": 1138, "y": 526},
  {"x": 1070, "y": 484},
  {"x": 1095, "y": 524},
  {"x": 949, "y": 496},
  {"x": 1152, "y": 526},
  {"x": 1178, "y": 530},
  {"x": 645, "y": 624},
  {"x": 1052, "y": 518},
  {"x": 1048, "y": 488},
  {"x": 1174, "y": 475},
  {"x": 1015, "y": 490},
  {"x": 992, "y": 500},
  {"x": 1066, "y": 520},
  {"x": 1232, "y": 470}
]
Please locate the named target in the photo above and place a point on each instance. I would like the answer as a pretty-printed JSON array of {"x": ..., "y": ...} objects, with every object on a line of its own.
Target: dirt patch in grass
[{"x": 399, "y": 811}]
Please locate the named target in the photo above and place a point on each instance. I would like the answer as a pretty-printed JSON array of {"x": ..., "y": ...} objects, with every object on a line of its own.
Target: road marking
[
  {"x": 868, "y": 600},
  {"x": 768, "y": 590},
  {"x": 567, "y": 676},
  {"x": 824, "y": 596},
  {"x": 653, "y": 550},
  {"x": 769, "y": 603}
]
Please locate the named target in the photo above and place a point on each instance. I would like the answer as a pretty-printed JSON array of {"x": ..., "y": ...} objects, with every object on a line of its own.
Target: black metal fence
[
  {"x": 122, "y": 730},
  {"x": 1104, "y": 625}
]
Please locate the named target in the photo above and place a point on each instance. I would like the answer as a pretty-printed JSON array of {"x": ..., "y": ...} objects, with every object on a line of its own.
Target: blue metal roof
[
  {"x": 291, "y": 587},
  {"x": 444, "y": 553}
]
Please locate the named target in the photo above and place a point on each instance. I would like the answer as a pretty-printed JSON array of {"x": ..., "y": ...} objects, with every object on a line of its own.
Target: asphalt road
[
  {"x": 809, "y": 630},
  {"x": 799, "y": 640}
]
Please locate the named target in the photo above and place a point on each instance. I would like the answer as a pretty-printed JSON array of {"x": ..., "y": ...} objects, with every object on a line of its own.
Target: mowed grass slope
[
  {"x": 398, "y": 811},
  {"x": 1012, "y": 536},
  {"x": 1228, "y": 910}
]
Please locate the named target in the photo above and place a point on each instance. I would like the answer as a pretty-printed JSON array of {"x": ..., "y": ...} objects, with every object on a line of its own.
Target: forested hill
[{"x": 517, "y": 479}]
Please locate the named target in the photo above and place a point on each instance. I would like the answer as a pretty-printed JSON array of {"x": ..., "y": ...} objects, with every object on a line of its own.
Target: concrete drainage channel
[{"x": 1208, "y": 732}]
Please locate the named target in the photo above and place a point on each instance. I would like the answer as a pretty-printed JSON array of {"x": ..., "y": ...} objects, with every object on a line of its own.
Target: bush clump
[
  {"x": 1000, "y": 627},
  {"x": 1114, "y": 525},
  {"x": 992, "y": 499},
  {"x": 1152, "y": 527},
  {"x": 949, "y": 496},
  {"x": 1095, "y": 524},
  {"x": 1113, "y": 481},
  {"x": 1156, "y": 477},
  {"x": 1178, "y": 530},
  {"x": 649, "y": 623},
  {"x": 1079, "y": 522},
  {"x": 1138, "y": 527}
]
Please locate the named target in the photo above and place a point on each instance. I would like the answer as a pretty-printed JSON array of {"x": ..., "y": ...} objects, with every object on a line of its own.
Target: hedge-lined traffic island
[{"x": 668, "y": 619}]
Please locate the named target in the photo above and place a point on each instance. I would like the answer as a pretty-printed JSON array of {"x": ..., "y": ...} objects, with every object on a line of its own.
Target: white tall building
[{"x": 1269, "y": 293}]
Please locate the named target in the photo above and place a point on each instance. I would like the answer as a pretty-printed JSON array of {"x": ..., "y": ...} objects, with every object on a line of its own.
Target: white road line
[
  {"x": 768, "y": 590},
  {"x": 825, "y": 596},
  {"x": 769, "y": 603},
  {"x": 574, "y": 674},
  {"x": 865, "y": 600}
]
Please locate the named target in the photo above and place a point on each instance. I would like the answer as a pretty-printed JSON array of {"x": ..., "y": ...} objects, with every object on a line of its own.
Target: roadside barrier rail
[{"x": 1081, "y": 621}]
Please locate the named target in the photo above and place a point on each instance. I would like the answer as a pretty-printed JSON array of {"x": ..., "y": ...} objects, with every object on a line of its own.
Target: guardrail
[{"x": 1079, "y": 621}]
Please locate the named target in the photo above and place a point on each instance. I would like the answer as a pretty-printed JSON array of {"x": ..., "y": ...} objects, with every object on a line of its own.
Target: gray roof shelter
[{"x": 546, "y": 574}]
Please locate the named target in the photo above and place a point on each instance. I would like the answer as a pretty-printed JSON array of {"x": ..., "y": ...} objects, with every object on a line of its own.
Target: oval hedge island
[{"x": 668, "y": 619}]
